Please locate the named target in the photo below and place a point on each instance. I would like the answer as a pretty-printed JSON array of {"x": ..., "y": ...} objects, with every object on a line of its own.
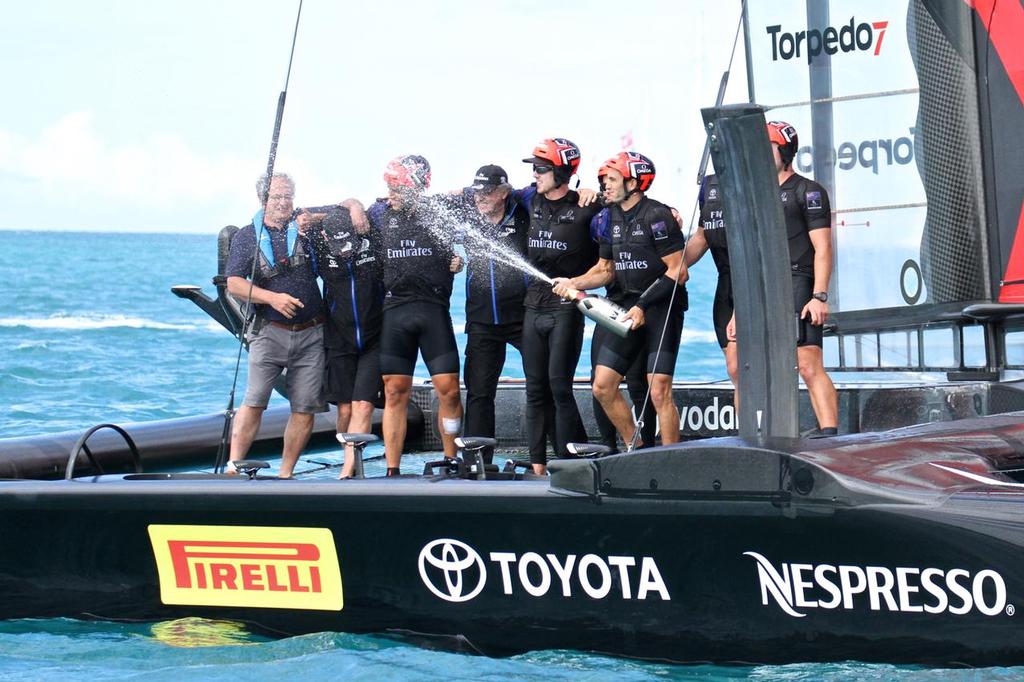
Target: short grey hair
[
  {"x": 263, "y": 184},
  {"x": 493, "y": 188}
]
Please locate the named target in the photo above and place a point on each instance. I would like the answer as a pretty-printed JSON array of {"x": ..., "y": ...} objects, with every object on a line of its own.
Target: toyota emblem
[{"x": 449, "y": 567}]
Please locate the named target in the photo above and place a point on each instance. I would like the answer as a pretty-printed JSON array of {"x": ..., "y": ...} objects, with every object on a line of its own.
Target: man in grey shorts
[{"x": 288, "y": 333}]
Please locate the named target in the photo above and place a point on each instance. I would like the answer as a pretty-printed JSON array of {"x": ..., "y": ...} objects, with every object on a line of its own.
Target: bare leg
[
  {"x": 732, "y": 366},
  {"x": 446, "y": 386},
  {"x": 362, "y": 416},
  {"x": 668, "y": 415},
  {"x": 243, "y": 432},
  {"x": 361, "y": 422},
  {"x": 820, "y": 388},
  {"x": 344, "y": 417},
  {"x": 397, "y": 392},
  {"x": 606, "y": 390},
  {"x": 296, "y": 435}
]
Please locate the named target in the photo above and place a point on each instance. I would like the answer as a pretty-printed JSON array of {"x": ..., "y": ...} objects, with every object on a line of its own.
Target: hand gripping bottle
[{"x": 602, "y": 311}]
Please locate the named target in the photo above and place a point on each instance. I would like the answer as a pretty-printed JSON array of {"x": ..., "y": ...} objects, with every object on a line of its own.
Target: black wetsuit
[
  {"x": 636, "y": 375},
  {"x": 417, "y": 250},
  {"x": 562, "y": 243},
  {"x": 637, "y": 241},
  {"x": 350, "y": 266},
  {"x": 713, "y": 224},
  {"x": 805, "y": 207}
]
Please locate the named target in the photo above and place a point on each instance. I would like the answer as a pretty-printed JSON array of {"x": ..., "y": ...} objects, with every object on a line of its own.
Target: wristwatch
[{"x": 821, "y": 296}]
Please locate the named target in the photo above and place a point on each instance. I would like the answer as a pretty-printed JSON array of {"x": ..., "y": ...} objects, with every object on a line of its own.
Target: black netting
[{"x": 948, "y": 154}]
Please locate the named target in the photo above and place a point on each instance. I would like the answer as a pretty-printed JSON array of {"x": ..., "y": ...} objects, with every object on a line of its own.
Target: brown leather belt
[{"x": 319, "y": 319}]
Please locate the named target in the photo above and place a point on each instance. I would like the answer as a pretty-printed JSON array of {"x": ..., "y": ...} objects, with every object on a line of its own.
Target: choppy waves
[
  {"x": 99, "y": 321},
  {"x": 95, "y": 322}
]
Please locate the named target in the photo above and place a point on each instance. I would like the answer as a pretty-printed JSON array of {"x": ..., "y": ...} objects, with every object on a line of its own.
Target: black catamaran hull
[{"x": 745, "y": 554}]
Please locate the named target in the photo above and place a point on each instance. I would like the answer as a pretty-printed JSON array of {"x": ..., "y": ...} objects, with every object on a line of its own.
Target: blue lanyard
[{"x": 265, "y": 245}]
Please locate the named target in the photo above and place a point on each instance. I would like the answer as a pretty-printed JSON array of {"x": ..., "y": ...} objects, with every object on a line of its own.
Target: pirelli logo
[{"x": 258, "y": 566}]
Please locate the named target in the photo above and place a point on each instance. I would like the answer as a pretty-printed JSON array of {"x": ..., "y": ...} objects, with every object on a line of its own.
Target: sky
[{"x": 157, "y": 116}]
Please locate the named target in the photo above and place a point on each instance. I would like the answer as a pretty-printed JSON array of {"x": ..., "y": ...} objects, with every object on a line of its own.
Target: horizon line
[{"x": 109, "y": 230}]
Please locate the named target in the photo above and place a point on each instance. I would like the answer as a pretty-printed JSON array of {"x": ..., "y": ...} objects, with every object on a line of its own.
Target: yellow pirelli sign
[{"x": 258, "y": 566}]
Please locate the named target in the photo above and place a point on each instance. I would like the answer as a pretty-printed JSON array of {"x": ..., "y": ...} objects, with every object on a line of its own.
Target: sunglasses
[{"x": 541, "y": 170}]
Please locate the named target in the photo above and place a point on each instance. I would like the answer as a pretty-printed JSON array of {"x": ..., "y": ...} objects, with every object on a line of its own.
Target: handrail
[
  {"x": 900, "y": 317},
  {"x": 80, "y": 445},
  {"x": 993, "y": 312}
]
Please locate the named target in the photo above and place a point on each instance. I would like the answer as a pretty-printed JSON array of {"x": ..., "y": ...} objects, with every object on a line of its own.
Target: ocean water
[{"x": 91, "y": 333}]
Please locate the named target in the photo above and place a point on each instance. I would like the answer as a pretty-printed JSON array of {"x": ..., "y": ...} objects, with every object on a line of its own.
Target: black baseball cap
[{"x": 489, "y": 177}]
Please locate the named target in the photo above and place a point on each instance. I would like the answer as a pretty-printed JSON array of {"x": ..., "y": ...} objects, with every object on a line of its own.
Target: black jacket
[{"x": 494, "y": 289}]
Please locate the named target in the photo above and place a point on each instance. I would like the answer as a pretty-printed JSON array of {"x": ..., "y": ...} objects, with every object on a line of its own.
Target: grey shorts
[{"x": 301, "y": 353}]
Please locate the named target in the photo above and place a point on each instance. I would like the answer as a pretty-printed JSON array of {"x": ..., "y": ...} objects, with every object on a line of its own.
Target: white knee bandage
[{"x": 452, "y": 427}]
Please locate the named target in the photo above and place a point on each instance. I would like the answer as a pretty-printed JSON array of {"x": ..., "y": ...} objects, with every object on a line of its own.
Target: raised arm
[
  {"x": 358, "y": 212},
  {"x": 696, "y": 247}
]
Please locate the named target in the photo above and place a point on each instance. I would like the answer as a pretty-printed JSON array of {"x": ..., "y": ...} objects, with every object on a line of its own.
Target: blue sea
[{"x": 91, "y": 334}]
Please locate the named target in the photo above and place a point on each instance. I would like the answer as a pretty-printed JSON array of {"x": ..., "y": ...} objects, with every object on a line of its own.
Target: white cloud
[
  {"x": 148, "y": 135},
  {"x": 159, "y": 171}
]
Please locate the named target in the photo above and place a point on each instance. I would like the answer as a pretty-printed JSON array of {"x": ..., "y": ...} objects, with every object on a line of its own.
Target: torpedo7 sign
[
  {"x": 262, "y": 567},
  {"x": 856, "y": 35}
]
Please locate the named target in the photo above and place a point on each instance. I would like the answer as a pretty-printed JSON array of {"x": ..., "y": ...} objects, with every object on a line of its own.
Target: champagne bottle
[{"x": 604, "y": 312}]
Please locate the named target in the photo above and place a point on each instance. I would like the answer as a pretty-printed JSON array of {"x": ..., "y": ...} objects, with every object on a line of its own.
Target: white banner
[{"x": 878, "y": 195}]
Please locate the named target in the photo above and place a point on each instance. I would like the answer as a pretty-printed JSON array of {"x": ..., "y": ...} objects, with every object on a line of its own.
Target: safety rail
[
  {"x": 968, "y": 341},
  {"x": 80, "y": 446}
]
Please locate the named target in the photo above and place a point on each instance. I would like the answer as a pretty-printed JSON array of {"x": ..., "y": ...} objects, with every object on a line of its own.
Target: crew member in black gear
[
  {"x": 808, "y": 215},
  {"x": 498, "y": 225},
  {"x": 636, "y": 375},
  {"x": 348, "y": 260},
  {"x": 419, "y": 263},
  {"x": 562, "y": 243},
  {"x": 644, "y": 257},
  {"x": 710, "y": 234}
]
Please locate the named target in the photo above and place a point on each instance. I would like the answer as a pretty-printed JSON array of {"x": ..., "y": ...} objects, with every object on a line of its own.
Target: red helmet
[
  {"x": 558, "y": 152},
  {"x": 631, "y": 165},
  {"x": 408, "y": 171},
  {"x": 784, "y": 135}
]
